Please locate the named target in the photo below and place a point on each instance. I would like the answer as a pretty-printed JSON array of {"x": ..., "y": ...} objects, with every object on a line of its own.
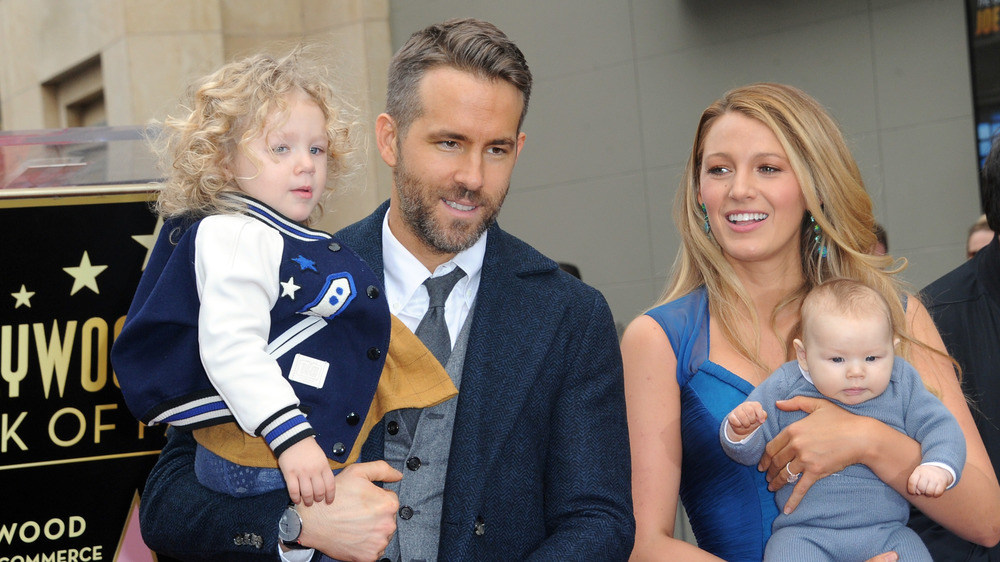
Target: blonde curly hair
[{"x": 225, "y": 111}]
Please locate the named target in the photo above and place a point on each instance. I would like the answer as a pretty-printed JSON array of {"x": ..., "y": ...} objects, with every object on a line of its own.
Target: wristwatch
[{"x": 290, "y": 527}]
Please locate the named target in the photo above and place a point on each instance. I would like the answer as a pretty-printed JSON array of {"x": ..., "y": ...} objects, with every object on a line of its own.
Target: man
[
  {"x": 965, "y": 305},
  {"x": 980, "y": 234},
  {"x": 532, "y": 460}
]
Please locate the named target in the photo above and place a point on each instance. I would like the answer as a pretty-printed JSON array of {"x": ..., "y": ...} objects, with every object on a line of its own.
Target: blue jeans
[{"x": 227, "y": 477}]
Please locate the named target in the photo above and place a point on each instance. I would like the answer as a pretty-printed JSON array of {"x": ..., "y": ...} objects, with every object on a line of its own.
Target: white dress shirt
[{"x": 405, "y": 275}]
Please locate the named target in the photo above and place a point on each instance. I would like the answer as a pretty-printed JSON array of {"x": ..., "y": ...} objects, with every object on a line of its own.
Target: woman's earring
[
  {"x": 704, "y": 214},
  {"x": 817, "y": 237}
]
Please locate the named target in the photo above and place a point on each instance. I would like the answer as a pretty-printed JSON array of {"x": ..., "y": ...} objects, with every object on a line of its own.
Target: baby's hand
[
  {"x": 307, "y": 473},
  {"x": 928, "y": 480},
  {"x": 744, "y": 419}
]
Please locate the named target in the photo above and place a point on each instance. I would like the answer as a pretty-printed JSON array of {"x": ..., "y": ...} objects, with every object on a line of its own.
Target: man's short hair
[{"x": 469, "y": 45}]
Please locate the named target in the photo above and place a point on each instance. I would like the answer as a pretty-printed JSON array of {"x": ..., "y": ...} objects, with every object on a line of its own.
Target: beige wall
[
  {"x": 146, "y": 51},
  {"x": 619, "y": 86}
]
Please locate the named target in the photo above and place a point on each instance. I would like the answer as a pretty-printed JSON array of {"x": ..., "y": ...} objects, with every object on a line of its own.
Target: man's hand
[{"x": 358, "y": 525}]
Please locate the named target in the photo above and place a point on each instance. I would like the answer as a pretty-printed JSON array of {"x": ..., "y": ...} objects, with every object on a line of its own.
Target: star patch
[
  {"x": 289, "y": 287},
  {"x": 305, "y": 263}
]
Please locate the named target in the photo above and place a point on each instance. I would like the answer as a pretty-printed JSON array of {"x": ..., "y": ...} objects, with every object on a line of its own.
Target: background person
[
  {"x": 881, "y": 241},
  {"x": 980, "y": 234},
  {"x": 965, "y": 305}
]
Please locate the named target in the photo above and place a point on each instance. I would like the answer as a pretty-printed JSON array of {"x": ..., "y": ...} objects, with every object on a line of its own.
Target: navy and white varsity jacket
[{"x": 255, "y": 319}]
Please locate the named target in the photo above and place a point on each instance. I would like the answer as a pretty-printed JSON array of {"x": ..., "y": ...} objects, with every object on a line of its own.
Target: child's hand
[
  {"x": 307, "y": 473},
  {"x": 928, "y": 480},
  {"x": 744, "y": 419}
]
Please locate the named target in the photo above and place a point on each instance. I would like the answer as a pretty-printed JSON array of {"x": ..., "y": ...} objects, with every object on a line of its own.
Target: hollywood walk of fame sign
[{"x": 73, "y": 460}]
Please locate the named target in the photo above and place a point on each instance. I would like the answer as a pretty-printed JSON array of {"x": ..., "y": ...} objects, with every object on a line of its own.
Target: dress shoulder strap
[{"x": 685, "y": 322}]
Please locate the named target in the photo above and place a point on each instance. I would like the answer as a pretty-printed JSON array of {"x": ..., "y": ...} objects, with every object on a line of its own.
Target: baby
[{"x": 847, "y": 355}]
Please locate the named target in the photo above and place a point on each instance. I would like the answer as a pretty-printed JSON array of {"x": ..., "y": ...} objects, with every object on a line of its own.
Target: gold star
[
  {"x": 149, "y": 240},
  {"x": 23, "y": 297},
  {"x": 85, "y": 275}
]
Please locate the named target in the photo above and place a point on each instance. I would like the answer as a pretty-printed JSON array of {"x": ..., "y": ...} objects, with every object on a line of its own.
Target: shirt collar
[
  {"x": 805, "y": 375},
  {"x": 404, "y": 273}
]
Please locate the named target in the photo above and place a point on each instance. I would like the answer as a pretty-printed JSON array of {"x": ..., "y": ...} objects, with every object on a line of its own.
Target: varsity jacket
[{"x": 256, "y": 319}]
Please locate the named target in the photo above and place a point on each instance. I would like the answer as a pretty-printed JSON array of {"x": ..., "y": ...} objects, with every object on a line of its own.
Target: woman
[{"x": 772, "y": 203}]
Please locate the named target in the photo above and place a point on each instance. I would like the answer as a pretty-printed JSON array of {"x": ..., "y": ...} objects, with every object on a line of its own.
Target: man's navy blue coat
[{"x": 539, "y": 465}]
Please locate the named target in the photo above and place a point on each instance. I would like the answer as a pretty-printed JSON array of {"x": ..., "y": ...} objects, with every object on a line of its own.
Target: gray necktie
[{"x": 433, "y": 330}]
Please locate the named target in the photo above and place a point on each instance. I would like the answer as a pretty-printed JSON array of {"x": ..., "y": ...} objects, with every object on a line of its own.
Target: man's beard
[{"x": 416, "y": 205}]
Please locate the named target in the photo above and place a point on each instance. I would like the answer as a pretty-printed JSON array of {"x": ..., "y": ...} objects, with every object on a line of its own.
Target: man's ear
[
  {"x": 386, "y": 138},
  {"x": 800, "y": 354}
]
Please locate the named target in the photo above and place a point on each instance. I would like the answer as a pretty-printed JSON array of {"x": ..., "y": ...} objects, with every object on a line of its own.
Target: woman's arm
[
  {"x": 830, "y": 439},
  {"x": 652, "y": 399}
]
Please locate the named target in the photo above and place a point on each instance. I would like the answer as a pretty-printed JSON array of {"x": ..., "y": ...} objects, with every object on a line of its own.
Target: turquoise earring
[
  {"x": 704, "y": 214},
  {"x": 817, "y": 237}
]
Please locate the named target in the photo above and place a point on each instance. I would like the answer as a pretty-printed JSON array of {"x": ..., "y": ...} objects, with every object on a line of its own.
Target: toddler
[{"x": 269, "y": 339}]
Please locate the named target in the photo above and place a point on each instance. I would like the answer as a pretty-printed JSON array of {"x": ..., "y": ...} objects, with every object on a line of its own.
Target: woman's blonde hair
[
  {"x": 226, "y": 110},
  {"x": 835, "y": 198}
]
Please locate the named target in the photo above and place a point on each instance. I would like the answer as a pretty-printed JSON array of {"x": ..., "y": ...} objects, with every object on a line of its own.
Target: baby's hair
[
  {"x": 847, "y": 297},
  {"x": 226, "y": 110}
]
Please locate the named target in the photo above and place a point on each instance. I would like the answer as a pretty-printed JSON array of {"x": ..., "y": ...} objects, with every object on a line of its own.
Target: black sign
[{"x": 73, "y": 460}]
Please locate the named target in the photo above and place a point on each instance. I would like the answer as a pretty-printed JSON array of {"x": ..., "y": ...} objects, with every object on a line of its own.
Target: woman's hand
[{"x": 826, "y": 441}]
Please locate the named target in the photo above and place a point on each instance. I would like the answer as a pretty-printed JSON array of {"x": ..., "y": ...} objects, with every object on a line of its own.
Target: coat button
[
  {"x": 334, "y": 247},
  {"x": 338, "y": 449},
  {"x": 480, "y": 527},
  {"x": 372, "y": 292},
  {"x": 384, "y": 560},
  {"x": 405, "y": 512},
  {"x": 413, "y": 463},
  {"x": 353, "y": 419},
  {"x": 374, "y": 353},
  {"x": 392, "y": 427}
]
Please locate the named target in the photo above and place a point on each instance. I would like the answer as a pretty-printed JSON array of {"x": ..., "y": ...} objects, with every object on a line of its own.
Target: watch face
[{"x": 290, "y": 525}]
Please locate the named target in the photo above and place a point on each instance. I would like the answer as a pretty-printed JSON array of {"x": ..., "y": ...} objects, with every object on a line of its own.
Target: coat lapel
[{"x": 500, "y": 372}]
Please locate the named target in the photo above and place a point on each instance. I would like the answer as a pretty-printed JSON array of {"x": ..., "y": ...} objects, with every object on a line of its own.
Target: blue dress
[{"x": 728, "y": 503}]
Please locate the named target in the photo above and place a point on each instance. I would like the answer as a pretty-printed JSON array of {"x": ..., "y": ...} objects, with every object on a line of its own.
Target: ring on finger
[{"x": 792, "y": 476}]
